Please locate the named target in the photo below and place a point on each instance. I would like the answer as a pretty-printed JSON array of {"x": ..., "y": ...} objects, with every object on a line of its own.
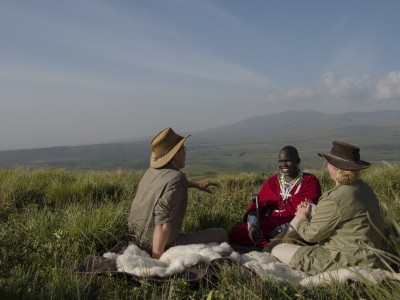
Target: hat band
[
  {"x": 342, "y": 159},
  {"x": 165, "y": 152}
]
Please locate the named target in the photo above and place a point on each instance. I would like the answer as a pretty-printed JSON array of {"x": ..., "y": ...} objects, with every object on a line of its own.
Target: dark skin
[{"x": 288, "y": 160}]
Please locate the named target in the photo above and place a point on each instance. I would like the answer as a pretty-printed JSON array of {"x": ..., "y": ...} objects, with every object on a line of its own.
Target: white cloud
[
  {"x": 349, "y": 90},
  {"x": 389, "y": 87}
]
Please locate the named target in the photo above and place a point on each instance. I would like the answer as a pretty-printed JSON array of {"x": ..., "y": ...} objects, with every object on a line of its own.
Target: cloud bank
[
  {"x": 348, "y": 89},
  {"x": 389, "y": 87}
]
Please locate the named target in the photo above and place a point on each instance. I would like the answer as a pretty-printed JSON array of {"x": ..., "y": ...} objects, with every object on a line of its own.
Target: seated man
[
  {"x": 278, "y": 200},
  {"x": 160, "y": 203}
]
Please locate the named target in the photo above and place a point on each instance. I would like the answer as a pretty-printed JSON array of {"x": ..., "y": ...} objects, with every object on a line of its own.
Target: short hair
[
  {"x": 292, "y": 150},
  {"x": 345, "y": 176}
]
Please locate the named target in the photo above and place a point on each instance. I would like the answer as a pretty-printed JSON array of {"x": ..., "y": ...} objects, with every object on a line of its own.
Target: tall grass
[
  {"x": 50, "y": 220},
  {"x": 58, "y": 188}
]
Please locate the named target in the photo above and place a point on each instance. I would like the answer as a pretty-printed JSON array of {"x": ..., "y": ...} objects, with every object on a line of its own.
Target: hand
[
  {"x": 203, "y": 186},
  {"x": 255, "y": 234},
  {"x": 303, "y": 210},
  {"x": 308, "y": 201}
]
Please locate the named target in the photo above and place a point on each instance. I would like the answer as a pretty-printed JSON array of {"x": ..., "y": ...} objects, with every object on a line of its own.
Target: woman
[{"x": 347, "y": 223}]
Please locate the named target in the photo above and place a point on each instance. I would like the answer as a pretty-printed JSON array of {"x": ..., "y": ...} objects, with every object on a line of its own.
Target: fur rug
[
  {"x": 176, "y": 259},
  {"x": 173, "y": 261}
]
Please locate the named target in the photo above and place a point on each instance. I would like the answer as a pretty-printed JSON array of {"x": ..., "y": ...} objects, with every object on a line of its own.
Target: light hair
[{"x": 345, "y": 176}]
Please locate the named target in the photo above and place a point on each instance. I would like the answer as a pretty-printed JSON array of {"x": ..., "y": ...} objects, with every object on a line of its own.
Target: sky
[{"x": 78, "y": 72}]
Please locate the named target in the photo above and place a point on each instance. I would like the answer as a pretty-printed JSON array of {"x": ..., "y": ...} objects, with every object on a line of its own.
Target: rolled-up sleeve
[
  {"x": 167, "y": 206},
  {"x": 325, "y": 220}
]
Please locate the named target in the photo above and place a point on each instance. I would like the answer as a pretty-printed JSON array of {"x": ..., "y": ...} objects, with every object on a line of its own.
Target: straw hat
[
  {"x": 346, "y": 157},
  {"x": 164, "y": 146}
]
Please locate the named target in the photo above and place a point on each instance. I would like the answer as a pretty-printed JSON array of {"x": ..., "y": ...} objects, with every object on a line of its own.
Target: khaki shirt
[
  {"x": 344, "y": 225},
  {"x": 161, "y": 197}
]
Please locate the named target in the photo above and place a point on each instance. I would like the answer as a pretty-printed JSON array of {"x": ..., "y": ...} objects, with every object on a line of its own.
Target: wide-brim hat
[
  {"x": 164, "y": 146},
  {"x": 346, "y": 157}
]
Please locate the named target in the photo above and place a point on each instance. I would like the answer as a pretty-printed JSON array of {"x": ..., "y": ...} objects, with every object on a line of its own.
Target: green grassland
[{"x": 51, "y": 219}]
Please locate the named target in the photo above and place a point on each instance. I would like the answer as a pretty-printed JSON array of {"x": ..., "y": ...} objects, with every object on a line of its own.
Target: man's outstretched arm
[{"x": 201, "y": 185}]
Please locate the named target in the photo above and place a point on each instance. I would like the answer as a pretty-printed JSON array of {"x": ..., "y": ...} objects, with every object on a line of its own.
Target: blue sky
[{"x": 85, "y": 71}]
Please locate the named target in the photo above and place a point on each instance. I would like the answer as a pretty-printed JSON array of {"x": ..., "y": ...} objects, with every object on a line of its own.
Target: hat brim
[
  {"x": 345, "y": 165},
  {"x": 162, "y": 161}
]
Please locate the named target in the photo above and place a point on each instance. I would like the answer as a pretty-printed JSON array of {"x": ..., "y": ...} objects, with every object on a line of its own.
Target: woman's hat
[
  {"x": 164, "y": 146},
  {"x": 346, "y": 157}
]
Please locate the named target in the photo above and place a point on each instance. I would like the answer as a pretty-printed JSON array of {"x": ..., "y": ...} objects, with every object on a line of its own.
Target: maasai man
[{"x": 278, "y": 200}]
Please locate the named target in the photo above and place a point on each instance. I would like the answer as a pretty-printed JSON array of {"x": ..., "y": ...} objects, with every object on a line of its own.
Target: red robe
[{"x": 280, "y": 212}]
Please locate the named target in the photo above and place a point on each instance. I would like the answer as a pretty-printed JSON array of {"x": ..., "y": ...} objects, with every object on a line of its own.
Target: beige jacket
[{"x": 344, "y": 226}]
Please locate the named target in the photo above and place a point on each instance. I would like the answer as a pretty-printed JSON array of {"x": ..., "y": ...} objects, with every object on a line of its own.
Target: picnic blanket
[{"x": 192, "y": 262}]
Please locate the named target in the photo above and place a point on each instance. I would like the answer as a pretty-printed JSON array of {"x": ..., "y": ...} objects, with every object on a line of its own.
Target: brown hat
[
  {"x": 164, "y": 146},
  {"x": 346, "y": 157}
]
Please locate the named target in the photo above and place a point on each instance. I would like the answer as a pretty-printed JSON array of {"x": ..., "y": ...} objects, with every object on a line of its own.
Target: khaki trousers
[
  {"x": 284, "y": 252},
  {"x": 217, "y": 235}
]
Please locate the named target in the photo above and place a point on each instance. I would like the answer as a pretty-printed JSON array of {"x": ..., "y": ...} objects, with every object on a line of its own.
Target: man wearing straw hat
[{"x": 160, "y": 203}]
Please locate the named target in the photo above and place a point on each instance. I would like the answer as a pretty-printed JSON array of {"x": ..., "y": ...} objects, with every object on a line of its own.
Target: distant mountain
[
  {"x": 256, "y": 141},
  {"x": 248, "y": 145}
]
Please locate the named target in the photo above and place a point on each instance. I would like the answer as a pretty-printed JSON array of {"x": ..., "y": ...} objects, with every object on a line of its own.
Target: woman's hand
[{"x": 303, "y": 210}]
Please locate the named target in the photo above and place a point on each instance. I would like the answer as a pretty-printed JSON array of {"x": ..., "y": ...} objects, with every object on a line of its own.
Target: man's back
[{"x": 157, "y": 185}]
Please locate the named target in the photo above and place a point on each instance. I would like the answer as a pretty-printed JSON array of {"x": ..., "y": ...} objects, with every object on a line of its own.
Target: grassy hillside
[
  {"x": 250, "y": 145},
  {"x": 51, "y": 219}
]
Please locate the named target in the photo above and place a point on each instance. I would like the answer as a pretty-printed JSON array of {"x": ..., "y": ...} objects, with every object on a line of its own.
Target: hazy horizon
[
  {"x": 149, "y": 137},
  {"x": 96, "y": 71}
]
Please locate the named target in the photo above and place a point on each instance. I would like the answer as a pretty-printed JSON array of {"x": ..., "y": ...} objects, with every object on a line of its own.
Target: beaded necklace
[{"x": 286, "y": 187}]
